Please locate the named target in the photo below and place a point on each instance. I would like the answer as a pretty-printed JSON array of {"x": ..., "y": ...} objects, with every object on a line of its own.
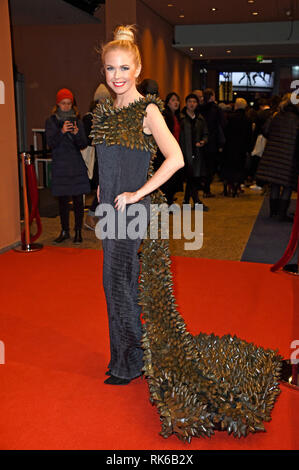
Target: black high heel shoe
[
  {"x": 64, "y": 235},
  {"x": 78, "y": 237},
  {"x": 112, "y": 380}
]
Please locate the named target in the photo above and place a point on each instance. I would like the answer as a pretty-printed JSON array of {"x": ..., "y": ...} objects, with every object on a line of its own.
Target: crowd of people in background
[{"x": 242, "y": 145}]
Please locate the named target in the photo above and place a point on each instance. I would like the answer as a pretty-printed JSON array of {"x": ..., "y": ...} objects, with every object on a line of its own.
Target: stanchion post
[
  {"x": 25, "y": 199},
  {"x": 28, "y": 247}
]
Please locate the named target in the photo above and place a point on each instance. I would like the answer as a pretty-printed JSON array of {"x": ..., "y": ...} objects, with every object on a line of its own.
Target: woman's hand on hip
[{"x": 125, "y": 198}]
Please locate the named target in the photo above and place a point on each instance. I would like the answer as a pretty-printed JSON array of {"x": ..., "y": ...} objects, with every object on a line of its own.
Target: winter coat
[
  {"x": 216, "y": 123},
  {"x": 238, "y": 135},
  {"x": 69, "y": 172},
  {"x": 279, "y": 163},
  {"x": 261, "y": 118},
  {"x": 195, "y": 166}
]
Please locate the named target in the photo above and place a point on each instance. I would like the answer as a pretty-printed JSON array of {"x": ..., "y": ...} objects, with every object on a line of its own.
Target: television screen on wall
[{"x": 257, "y": 81}]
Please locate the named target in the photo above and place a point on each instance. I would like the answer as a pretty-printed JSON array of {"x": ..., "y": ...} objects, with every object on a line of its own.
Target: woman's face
[
  {"x": 173, "y": 103},
  {"x": 65, "y": 105},
  {"x": 121, "y": 70}
]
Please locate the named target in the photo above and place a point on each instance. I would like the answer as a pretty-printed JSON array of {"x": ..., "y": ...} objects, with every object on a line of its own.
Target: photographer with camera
[{"x": 66, "y": 137}]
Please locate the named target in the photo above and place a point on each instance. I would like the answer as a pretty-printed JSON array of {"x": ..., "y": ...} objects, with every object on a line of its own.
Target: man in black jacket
[
  {"x": 215, "y": 120},
  {"x": 193, "y": 139}
]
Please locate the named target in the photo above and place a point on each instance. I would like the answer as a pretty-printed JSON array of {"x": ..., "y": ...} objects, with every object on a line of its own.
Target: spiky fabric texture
[{"x": 198, "y": 383}]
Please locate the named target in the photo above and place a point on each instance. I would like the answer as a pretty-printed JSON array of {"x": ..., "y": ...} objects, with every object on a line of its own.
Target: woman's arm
[{"x": 154, "y": 124}]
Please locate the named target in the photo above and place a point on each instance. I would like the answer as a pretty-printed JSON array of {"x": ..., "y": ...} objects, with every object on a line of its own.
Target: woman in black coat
[
  {"x": 66, "y": 137},
  {"x": 279, "y": 163},
  {"x": 238, "y": 136}
]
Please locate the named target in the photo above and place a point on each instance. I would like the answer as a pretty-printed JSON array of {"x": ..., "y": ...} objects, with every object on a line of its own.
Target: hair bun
[{"x": 124, "y": 33}]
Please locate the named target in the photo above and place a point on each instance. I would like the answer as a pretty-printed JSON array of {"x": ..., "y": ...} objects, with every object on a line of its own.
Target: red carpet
[{"x": 54, "y": 327}]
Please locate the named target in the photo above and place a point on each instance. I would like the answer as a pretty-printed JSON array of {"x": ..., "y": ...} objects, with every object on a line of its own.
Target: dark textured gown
[{"x": 198, "y": 383}]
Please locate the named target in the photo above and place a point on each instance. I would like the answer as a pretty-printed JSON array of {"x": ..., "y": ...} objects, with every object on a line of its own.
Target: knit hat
[
  {"x": 64, "y": 93},
  {"x": 101, "y": 93}
]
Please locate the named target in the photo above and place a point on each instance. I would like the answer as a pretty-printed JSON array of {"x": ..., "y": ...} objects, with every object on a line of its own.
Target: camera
[{"x": 70, "y": 119}]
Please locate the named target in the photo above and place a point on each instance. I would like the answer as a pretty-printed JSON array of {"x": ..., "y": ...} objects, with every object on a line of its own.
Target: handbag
[
  {"x": 259, "y": 146},
  {"x": 88, "y": 155}
]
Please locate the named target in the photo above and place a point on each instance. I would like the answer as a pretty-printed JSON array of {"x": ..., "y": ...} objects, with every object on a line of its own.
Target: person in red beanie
[
  {"x": 66, "y": 137},
  {"x": 63, "y": 94}
]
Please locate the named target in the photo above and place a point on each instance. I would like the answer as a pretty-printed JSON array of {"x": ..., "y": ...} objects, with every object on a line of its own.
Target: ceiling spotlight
[
  {"x": 255, "y": 13},
  {"x": 170, "y": 5},
  {"x": 182, "y": 16},
  {"x": 191, "y": 49},
  {"x": 213, "y": 9},
  {"x": 200, "y": 55},
  {"x": 250, "y": 1},
  {"x": 228, "y": 51}
]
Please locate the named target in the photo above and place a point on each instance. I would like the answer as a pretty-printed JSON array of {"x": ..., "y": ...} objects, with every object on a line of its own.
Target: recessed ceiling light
[
  {"x": 250, "y": 1},
  {"x": 170, "y": 5},
  {"x": 182, "y": 16},
  {"x": 255, "y": 13},
  {"x": 191, "y": 49},
  {"x": 213, "y": 9},
  {"x": 200, "y": 55},
  {"x": 228, "y": 51}
]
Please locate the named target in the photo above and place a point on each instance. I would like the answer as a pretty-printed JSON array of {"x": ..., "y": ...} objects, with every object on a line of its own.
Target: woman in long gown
[
  {"x": 197, "y": 383},
  {"x": 123, "y": 168}
]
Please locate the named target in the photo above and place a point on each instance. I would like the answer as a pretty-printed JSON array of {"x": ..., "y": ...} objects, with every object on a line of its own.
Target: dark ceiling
[
  {"x": 217, "y": 12},
  {"x": 185, "y": 12}
]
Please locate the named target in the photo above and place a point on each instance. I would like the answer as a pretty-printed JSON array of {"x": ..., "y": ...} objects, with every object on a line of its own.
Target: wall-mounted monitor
[{"x": 251, "y": 81}]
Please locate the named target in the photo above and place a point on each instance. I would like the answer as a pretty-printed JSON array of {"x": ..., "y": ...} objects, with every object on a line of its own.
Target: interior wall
[
  {"x": 56, "y": 56},
  {"x": 118, "y": 13},
  {"x": 161, "y": 62},
  {"x": 9, "y": 191},
  {"x": 53, "y": 57}
]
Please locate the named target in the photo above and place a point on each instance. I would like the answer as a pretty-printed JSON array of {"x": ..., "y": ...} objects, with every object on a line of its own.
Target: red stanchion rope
[
  {"x": 33, "y": 195},
  {"x": 291, "y": 248}
]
